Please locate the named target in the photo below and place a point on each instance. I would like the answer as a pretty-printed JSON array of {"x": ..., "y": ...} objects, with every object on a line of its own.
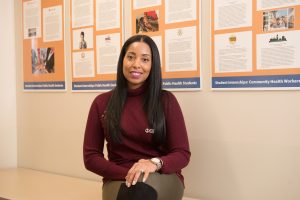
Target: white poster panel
[
  {"x": 268, "y": 4},
  {"x": 82, "y": 13},
  {"x": 32, "y": 19},
  {"x": 83, "y": 64},
  {"x": 107, "y": 14},
  {"x": 278, "y": 50},
  {"x": 108, "y": 50},
  {"x": 138, "y": 4},
  {"x": 52, "y": 24},
  {"x": 233, "y": 52},
  {"x": 179, "y": 11},
  {"x": 232, "y": 14},
  {"x": 181, "y": 48}
]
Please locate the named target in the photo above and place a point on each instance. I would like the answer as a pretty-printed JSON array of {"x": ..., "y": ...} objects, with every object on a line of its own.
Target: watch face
[{"x": 155, "y": 160}]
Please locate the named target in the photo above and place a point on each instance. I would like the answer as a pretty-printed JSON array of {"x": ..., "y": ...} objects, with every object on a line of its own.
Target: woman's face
[{"x": 137, "y": 64}]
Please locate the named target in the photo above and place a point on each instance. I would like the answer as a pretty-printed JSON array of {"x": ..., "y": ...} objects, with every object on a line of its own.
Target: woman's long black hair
[{"x": 153, "y": 105}]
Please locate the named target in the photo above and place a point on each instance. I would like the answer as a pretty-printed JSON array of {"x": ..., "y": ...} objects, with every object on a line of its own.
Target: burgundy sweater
[{"x": 136, "y": 141}]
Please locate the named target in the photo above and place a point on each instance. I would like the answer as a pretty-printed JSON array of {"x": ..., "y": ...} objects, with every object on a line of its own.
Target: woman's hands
[{"x": 139, "y": 168}]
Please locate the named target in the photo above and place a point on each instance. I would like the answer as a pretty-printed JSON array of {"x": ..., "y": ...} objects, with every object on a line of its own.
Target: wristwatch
[{"x": 158, "y": 162}]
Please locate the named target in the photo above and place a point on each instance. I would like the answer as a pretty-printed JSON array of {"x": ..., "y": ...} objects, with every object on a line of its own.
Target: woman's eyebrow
[
  {"x": 144, "y": 54},
  {"x": 130, "y": 52}
]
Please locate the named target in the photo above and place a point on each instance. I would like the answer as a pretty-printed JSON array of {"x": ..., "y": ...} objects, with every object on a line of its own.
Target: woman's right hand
[{"x": 142, "y": 167}]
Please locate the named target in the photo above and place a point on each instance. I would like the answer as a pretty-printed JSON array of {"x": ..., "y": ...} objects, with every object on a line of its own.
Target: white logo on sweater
[{"x": 149, "y": 130}]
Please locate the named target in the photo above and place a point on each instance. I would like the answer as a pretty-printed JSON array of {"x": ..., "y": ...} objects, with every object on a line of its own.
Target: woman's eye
[
  {"x": 129, "y": 57},
  {"x": 145, "y": 60}
]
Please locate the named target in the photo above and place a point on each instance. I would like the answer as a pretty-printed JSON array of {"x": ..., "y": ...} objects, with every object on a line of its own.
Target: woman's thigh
[{"x": 168, "y": 186}]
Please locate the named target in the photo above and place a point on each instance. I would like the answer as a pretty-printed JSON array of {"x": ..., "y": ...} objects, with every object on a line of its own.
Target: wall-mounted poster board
[
  {"x": 43, "y": 45},
  {"x": 254, "y": 44},
  {"x": 174, "y": 25},
  {"x": 96, "y": 39}
]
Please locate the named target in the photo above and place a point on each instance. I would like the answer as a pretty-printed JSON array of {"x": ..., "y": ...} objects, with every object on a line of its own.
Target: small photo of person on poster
[
  {"x": 83, "y": 39},
  {"x": 82, "y": 42}
]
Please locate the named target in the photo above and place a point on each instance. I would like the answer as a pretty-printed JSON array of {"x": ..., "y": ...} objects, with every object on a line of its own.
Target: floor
[{"x": 26, "y": 184}]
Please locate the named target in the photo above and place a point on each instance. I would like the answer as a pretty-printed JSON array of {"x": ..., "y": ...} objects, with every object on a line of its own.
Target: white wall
[{"x": 8, "y": 126}]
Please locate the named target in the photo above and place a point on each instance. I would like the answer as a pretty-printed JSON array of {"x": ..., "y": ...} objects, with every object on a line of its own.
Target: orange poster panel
[
  {"x": 43, "y": 45},
  {"x": 254, "y": 44},
  {"x": 176, "y": 32},
  {"x": 96, "y": 39}
]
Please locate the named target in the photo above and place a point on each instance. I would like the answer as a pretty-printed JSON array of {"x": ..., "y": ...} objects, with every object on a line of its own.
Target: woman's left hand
[{"x": 142, "y": 167}]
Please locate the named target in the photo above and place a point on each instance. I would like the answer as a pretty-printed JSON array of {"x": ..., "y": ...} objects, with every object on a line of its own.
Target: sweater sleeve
[
  {"x": 178, "y": 151},
  {"x": 93, "y": 145}
]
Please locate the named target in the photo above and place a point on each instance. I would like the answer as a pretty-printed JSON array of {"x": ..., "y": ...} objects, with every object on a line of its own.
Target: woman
[{"x": 142, "y": 124}]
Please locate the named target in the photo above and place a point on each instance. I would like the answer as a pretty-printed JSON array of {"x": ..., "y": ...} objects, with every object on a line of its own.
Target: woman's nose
[{"x": 137, "y": 63}]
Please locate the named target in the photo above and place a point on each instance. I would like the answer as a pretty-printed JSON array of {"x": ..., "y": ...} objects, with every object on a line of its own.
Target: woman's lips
[{"x": 135, "y": 74}]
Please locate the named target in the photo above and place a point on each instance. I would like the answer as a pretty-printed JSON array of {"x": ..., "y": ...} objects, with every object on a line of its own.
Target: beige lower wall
[{"x": 245, "y": 144}]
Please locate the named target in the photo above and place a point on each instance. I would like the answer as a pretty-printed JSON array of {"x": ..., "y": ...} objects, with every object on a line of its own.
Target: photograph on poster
[
  {"x": 83, "y": 38},
  {"x": 31, "y": 32},
  {"x": 42, "y": 60},
  {"x": 279, "y": 19},
  {"x": 147, "y": 22},
  {"x": 82, "y": 42}
]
